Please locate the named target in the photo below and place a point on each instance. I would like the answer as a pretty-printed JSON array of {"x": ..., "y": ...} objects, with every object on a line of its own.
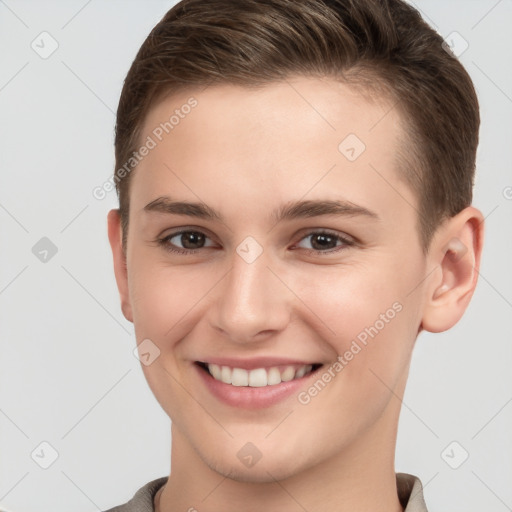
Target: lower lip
[{"x": 251, "y": 397}]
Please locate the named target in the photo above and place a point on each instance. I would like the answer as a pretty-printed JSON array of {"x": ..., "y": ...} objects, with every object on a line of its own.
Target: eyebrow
[{"x": 289, "y": 211}]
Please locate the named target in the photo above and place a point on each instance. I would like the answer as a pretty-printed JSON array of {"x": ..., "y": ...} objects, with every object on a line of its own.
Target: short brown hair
[{"x": 255, "y": 42}]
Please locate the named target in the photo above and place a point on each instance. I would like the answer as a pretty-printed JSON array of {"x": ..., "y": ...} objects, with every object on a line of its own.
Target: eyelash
[{"x": 347, "y": 242}]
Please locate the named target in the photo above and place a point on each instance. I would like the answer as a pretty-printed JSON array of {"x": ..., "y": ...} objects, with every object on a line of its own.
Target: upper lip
[{"x": 257, "y": 362}]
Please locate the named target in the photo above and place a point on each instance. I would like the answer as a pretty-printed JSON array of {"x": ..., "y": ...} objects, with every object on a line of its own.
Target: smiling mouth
[{"x": 258, "y": 377}]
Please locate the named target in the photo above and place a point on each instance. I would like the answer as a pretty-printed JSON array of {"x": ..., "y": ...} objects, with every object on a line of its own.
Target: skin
[{"x": 244, "y": 153}]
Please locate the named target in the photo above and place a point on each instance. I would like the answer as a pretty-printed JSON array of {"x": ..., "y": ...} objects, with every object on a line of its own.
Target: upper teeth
[{"x": 258, "y": 377}]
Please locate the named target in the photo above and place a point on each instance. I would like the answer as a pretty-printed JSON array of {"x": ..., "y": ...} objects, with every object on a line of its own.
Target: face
[{"x": 270, "y": 234}]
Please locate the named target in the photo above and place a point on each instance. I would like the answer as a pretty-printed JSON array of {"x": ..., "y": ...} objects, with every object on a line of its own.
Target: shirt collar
[
  {"x": 409, "y": 488},
  {"x": 410, "y": 493}
]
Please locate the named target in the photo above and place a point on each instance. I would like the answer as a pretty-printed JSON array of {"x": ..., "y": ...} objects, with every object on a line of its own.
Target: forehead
[
  {"x": 322, "y": 104},
  {"x": 302, "y": 136}
]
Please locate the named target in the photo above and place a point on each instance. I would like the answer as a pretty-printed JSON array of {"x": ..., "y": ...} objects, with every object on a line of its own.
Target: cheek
[
  {"x": 164, "y": 303},
  {"x": 370, "y": 320},
  {"x": 162, "y": 296},
  {"x": 348, "y": 300}
]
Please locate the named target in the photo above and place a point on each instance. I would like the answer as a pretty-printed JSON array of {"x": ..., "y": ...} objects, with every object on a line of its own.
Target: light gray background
[{"x": 67, "y": 372}]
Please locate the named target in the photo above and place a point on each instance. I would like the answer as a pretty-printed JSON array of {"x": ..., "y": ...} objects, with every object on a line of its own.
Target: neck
[{"x": 359, "y": 479}]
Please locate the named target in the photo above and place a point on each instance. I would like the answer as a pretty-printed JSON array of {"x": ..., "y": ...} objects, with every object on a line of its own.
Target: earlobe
[
  {"x": 456, "y": 250},
  {"x": 120, "y": 269}
]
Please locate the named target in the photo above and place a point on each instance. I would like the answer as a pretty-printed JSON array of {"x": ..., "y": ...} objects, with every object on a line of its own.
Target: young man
[{"x": 295, "y": 182}]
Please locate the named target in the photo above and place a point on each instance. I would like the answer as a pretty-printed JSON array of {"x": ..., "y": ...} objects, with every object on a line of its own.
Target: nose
[{"x": 251, "y": 302}]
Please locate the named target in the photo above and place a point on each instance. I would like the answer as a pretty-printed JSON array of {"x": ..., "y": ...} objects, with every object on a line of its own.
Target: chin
[{"x": 264, "y": 471}]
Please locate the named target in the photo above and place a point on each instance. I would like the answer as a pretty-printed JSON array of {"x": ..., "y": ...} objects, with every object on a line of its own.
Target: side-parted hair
[{"x": 383, "y": 46}]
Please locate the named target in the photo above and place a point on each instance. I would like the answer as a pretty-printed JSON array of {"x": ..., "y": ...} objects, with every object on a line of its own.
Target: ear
[
  {"x": 455, "y": 251},
  {"x": 115, "y": 236}
]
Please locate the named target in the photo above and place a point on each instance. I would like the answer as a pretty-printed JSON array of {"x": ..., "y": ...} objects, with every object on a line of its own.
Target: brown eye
[
  {"x": 184, "y": 242},
  {"x": 324, "y": 242},
  {"x": 192, "y": 239}
]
